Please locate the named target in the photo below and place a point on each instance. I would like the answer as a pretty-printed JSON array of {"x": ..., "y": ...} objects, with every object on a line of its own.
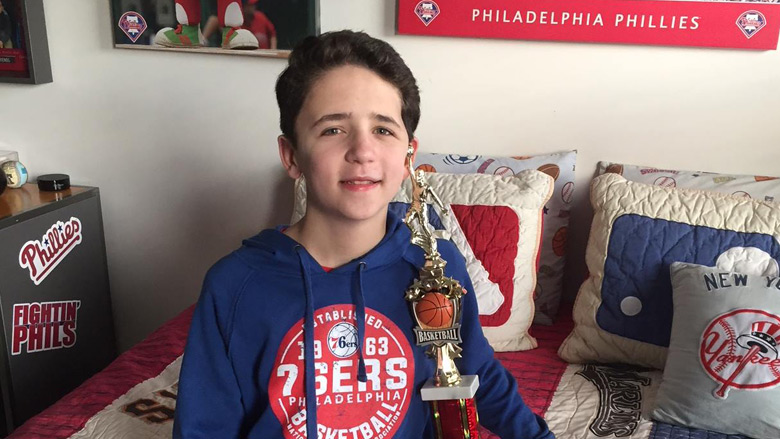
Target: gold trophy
[{"x": 436, "y": 305}]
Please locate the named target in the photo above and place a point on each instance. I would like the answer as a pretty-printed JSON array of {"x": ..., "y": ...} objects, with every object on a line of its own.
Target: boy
[{"x": 281, "y": 346}]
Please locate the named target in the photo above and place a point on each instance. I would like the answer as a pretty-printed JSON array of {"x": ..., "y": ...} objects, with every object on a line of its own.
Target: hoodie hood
[{"x": 280, "y": 250}]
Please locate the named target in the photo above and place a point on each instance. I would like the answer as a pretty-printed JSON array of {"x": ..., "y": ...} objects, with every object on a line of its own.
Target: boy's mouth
[
  {"x": 360, "y": 180},
  {"x": 360, "y": 183}
]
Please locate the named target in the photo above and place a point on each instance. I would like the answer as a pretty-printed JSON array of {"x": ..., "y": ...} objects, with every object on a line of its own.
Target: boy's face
[{"x": 352, "y": 145}]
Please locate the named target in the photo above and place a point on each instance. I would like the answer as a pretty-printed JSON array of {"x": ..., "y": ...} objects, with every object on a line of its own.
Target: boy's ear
[
  {"x": 287, "y": 156},
  {"x": 412, "y": 154}
]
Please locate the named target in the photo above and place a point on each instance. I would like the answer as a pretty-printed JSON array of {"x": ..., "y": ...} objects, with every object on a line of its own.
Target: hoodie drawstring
[
  {"x": 308, "y": 338},
  {"x": 308, "y": 349},
  {"x": 357, "y": 297}
]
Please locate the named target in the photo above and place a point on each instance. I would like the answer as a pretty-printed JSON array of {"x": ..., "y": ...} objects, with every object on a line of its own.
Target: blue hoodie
[{"x": 268, "y": 305}]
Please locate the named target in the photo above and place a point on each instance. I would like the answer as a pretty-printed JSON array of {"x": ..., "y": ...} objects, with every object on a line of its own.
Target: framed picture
[
  {"x": 239, "y": 27},
  {"x": 24, "y": 48}
]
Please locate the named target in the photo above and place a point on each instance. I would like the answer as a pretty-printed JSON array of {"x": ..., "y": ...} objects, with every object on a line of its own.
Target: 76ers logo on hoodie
[
  {"x": 346, "y": 408},
  {"x": 342, "y": 340},
  {"x": 739, "y": 350},
  {"x": 40, "y": 257}
]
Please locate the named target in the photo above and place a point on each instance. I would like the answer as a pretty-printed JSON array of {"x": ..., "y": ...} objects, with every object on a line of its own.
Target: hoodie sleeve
[
  {"x": 209, "y": 401},
  {"x": 500, "y": 406}
]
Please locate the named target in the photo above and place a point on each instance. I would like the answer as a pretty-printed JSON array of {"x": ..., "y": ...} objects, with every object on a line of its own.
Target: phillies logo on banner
[
  {"x": 427, "y": 10},
  {"x": 41, "y": 257},
  {"x": 658, "y": 22},
  {"x": 739, "y": 351},
  {"x": 346, "y": 407},
  {"x": 44, "y": 326},
  {"x": 751, "y": 22}
]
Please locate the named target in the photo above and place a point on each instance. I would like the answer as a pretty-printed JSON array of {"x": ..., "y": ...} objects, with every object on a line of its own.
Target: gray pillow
[{"x": 722, "y": 371}]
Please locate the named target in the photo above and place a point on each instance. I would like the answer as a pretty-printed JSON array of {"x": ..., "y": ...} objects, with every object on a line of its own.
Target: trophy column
[{"x": 436, "y": 305}]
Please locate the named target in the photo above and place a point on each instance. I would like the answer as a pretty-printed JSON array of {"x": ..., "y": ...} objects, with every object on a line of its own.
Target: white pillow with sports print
[
  {"x": 559, "y": 166},
  {"x": 757, "y": 187}
]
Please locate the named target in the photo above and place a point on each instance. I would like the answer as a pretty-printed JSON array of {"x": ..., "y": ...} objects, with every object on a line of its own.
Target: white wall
[{"x": 183, "y": 149}]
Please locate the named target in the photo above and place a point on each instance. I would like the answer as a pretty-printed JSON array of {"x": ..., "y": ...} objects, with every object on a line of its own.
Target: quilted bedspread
[{"x": 135, "y": 396}]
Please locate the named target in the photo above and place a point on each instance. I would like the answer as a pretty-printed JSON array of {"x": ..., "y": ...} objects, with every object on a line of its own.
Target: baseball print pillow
[
  {"x": 496, "y": 223},
  {"x": 723, "y": 369},
  {"x": 623, "y": 311},
  {"x": 757, "y": 187},
  {"x": 560, "y": 166}
]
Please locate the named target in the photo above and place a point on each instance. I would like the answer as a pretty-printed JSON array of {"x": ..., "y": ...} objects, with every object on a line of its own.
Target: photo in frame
[
  {"x": 24, "y": 47},
  {"x": 241, "y": 27}
]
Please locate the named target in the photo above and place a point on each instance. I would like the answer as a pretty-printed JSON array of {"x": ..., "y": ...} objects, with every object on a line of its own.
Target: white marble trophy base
[{"x": 466, "y": 389}]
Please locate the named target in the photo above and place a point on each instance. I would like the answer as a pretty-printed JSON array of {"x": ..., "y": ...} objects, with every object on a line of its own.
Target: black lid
[{"x": 53, "y": 182}]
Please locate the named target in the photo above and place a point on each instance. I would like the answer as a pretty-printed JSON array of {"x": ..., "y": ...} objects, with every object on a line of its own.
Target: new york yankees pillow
[{"x": 723, "y": 370}]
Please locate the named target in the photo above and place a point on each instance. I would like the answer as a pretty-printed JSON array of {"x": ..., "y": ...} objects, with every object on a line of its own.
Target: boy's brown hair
[{"x": 315, "y": 56}]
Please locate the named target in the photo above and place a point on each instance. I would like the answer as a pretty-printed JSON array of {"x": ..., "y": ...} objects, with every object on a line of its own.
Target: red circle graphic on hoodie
[{"x": 345, "y": 406}]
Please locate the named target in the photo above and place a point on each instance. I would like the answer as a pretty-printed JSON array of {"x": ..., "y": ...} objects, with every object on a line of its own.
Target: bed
[
  {"x": 135, "y": 396},
  {"x": 597, "y": 371}
]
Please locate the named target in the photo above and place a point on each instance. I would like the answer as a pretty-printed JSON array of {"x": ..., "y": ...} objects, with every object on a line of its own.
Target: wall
[{"x": 183, "y": 146}]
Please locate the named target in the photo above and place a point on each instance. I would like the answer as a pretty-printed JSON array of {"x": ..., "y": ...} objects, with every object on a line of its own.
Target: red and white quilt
[{"x": 135, "y": 397}]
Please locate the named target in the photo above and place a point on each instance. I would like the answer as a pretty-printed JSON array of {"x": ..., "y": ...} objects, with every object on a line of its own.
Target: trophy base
[
  {"x": 454, "y": 409},
  {"x": 466, "y": 389}
]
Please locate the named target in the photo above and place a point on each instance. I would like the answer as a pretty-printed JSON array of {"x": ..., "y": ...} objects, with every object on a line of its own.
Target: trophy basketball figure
[{"x": 436, "y": 305}]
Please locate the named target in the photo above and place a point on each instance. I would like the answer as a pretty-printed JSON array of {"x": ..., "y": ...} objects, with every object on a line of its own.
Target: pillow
[
  {"x": 623, "y": 311},
  {"x": 752, "y": 186},
  {"x": 560, "y": 166},
  {"x": 723, "y": 371},
  {"x": 496, "y": 224}
]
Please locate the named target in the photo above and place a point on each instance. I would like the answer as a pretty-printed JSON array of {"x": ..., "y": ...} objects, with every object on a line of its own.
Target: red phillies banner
[{"x": 670, "y": 23}]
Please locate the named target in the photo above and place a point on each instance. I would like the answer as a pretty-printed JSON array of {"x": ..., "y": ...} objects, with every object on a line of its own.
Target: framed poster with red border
[
  {"x": 735, "y": 25},
  {"x": 24, "y": 48},
  {"x": 266, "y": 28}
]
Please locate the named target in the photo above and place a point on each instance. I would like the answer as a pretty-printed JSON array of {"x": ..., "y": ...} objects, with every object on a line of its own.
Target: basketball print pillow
[{"x": 723, "y": 371}]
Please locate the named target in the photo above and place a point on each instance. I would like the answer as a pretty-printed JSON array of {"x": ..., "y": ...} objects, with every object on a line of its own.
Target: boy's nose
[{"x": 361, "y": 148}]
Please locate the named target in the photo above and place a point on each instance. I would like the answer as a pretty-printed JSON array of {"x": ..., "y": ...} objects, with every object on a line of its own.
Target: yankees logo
[{"x": 739, "y": 350}]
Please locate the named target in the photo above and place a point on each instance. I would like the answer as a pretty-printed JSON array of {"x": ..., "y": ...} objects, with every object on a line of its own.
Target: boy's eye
[
  {"x": 384, "y": 131},
  {"x": 332, "y": 131}
]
